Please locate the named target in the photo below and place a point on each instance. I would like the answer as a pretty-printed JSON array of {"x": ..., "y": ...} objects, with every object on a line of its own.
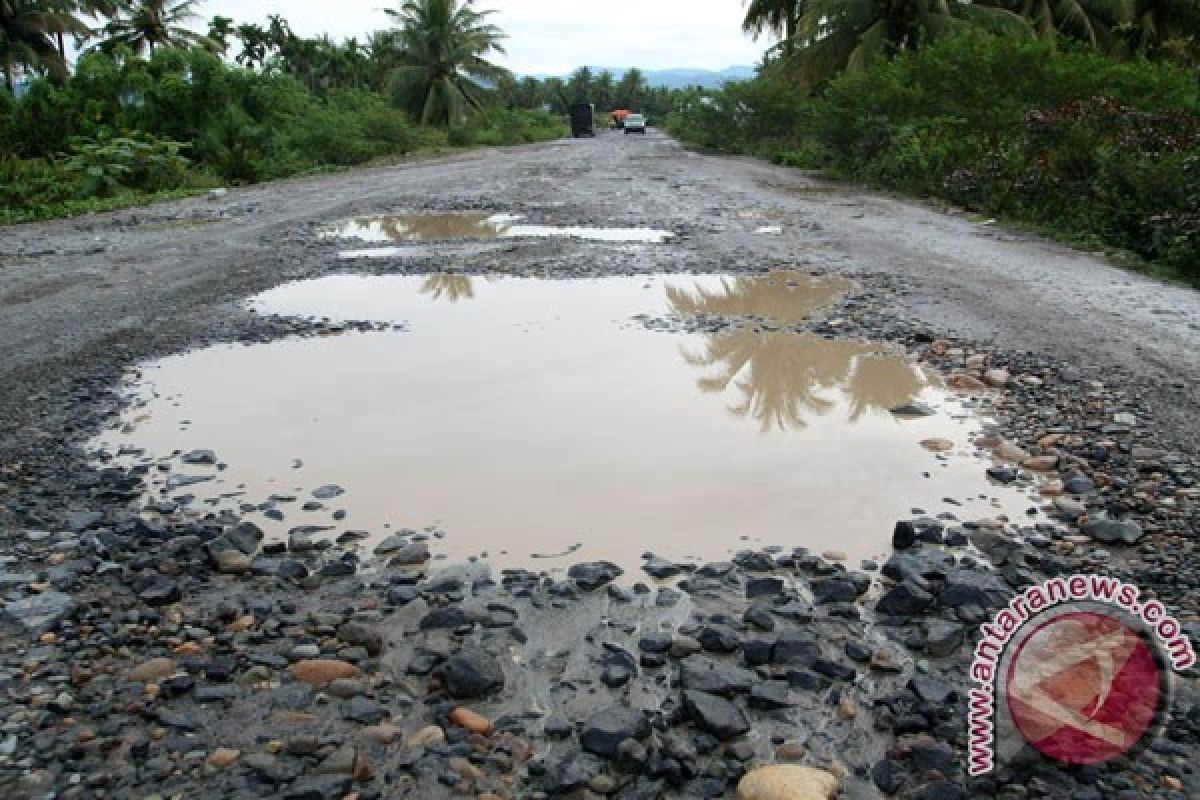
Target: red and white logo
[{"x": 1083, "y": 687}]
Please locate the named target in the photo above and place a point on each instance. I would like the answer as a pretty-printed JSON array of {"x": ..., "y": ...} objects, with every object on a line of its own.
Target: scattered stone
[
  {"x": 1113, "y": 531},
  {"x": 604, "y": 731},
  {"x": 319, "y": 673},
  {"x": 591, "y": 575},
  {"x": 429, "y": 736},
  {"x": 223, "y": 757},
  {"x": 471, "y": 674},
  {"x": 153, "y": 671},
  {"x": 200, "y": 457},
  {"x": 472, "y": 721},
  {"x": 937, "y": 445},
  {"x": 40, "y": 613},
  {"x": 714, "y": 714},
  {"x": 787, "y": 782},
  {"x": 233, "y": 562}
]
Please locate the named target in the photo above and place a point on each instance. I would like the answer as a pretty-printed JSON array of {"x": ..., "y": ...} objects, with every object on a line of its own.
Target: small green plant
[{"x": 107, "y": 165}]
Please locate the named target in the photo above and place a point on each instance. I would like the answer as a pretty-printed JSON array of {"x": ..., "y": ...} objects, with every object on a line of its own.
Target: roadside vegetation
[
  {"x": 152, "y": 108},
  {"x": 1076, "y": 117}
]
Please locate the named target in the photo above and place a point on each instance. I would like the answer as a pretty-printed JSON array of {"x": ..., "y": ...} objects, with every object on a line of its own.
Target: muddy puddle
[
  {"x": 393, "y": 229},
  {"x": 541, "y": 422}
]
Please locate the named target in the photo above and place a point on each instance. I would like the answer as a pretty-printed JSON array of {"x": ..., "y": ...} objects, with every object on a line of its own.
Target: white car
[{"x": 635, "y": 123}]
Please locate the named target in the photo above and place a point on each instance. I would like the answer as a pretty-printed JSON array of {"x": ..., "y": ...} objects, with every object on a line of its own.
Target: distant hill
[{"x": 678, "y": 78}]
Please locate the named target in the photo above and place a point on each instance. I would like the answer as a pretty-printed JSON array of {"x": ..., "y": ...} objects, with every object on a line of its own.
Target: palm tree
[
  {"x": 779, "y": 17},
  {"x": 1165, "y": 27},
  {"x": 1091, "y": 21},
  {"x": 444, "y": 71},
  {"x": 27, "y": 37},
  {"x": 149, "y": 23},
  {"x": 837, "y": 35}
]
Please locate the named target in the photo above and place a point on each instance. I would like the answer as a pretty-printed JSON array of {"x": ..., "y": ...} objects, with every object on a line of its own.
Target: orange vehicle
[{"x": 618, "y": 118}]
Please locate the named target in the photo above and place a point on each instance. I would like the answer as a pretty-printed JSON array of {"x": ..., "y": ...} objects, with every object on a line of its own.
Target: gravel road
[
  {"x": 149, "y": 651},
  {"x": 69, "y": 286}
]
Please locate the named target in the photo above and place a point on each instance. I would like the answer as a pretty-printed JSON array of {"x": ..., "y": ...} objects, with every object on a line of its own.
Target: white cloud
[{"x": 553, "y": 37}]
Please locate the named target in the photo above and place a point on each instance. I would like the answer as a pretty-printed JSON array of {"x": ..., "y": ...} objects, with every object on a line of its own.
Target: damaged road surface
[{"x": 595, "y": 468}]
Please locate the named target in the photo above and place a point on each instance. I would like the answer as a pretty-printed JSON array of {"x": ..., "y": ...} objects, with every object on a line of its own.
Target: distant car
[{"x": 635, "y": 123}]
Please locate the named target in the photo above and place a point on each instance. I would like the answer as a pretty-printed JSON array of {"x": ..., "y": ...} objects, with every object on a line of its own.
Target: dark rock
[
  {"x": 904, "y": 599},
  {"x": 1113, "y": 531},
  {"x": 79, "y": 521},
  {"x": 719, "y": 639},
  {"x": 834, "y": 590},
  {"x": 319, "y": 787},
  {"x": 888, "y": 776},
  {"x": 448, "y": 617},
  {"x": 964, "y": 587},
  {"x": 795, "y": 647},
  {"x": 591, "y": 575},
  {"x": 327, "y": 492},
  {"x": 760, "y": 618},
  {"x": 714, "y": 677},
  {"x": 661, "y": 568},
  {"x": 199, "y": 458},
  {"x": 604, "y": 731},
  {"x": 472, "y": 673},
  {"x": 716, "y": 715},
  {"x": 754, "y": 562},
  {"x": 763, "y": 587},
  {"x": 40, "y": 613},
  {"x": 942, "y": 637},
  {"x": 1002, "y": 474},
  {"x": 904, "y": 535},
  {"x": 410, "y": 554},
  {"x": 832, "y": 669},
  {"x": 369, "y": 637},
  {"x": 770, "y": 695},
  {"x": 363, "y": 710},
  {"x": 245, "y": 536},
  {"x": 655, "y": 643},
  {"x": 161, "y": 592}
]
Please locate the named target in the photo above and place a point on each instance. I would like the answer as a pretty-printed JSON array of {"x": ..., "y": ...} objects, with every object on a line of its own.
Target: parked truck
[{"x": 583, "y": 119}]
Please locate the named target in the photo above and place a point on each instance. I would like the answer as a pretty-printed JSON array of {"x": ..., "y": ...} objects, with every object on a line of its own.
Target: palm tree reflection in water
[
  {"x": 449, "y": 287},
  {"x": 784, "y": 377}
]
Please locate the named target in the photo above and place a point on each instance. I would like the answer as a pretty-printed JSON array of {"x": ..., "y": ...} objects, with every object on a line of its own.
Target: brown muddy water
[
  {"x": 520, "y": 418},
  {"x": 393, "y": 229}
]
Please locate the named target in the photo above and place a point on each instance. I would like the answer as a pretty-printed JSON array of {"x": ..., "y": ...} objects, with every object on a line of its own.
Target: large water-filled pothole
[
  {"x": 401, "y": 229},
  {"x": 519, "y": 418}
]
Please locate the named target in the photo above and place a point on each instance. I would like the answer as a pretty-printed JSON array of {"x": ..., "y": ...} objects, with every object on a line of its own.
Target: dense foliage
[
  {"x": 1098, "y": 149},
  {"x": 122, "y": 125}
]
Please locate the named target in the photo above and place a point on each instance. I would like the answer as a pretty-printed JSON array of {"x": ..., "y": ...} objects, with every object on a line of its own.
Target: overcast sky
[{"x": 552, "y": 36}]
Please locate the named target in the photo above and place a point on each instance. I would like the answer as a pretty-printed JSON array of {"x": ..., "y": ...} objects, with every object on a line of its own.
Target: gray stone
[
  {"x": 40, "y": 613},
  {"x": 714, "y": 677},
  {"x": 200, "y": 457},
  {"x": 591, "y": 575},
  {"x": 716, "y": 715},
  {"x": 1114, "y": 531},
  {"x": 904, "y": 599},
  {"x": 410, "y": 554},
  {"x": 472, "y": 673},
  {"x": 604, "y": 731}
]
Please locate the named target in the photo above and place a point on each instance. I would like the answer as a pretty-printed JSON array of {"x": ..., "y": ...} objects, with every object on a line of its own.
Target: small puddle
[
  {"x": 520, "y": 417},
  {"x": 405, "y": 228}
]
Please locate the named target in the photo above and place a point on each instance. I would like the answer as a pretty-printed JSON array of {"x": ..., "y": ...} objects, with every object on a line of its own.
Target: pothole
[
  {"x": 598, "y": 419},
  {"x": 406, "y": 228}
]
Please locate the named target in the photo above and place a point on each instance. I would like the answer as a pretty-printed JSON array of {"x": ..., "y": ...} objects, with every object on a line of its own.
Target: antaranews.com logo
[{"x": 1076, "y": 667}]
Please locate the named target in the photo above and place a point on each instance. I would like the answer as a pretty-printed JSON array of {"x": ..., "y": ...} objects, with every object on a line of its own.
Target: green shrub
[
  {"x": 107, "y": 164},
  {"x": 1093, "y": 148}
]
